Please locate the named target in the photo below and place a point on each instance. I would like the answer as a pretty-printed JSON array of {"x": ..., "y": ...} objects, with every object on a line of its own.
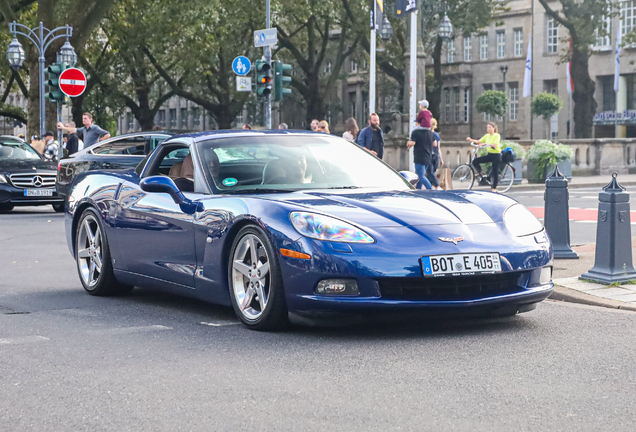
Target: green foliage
[
  {"x": 545, "y": 153},
  {"x": 546, "y": 105},
  {"x": 492, "y": 102}
]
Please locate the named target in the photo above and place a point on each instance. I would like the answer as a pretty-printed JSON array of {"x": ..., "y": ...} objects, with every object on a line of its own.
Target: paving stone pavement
[{"x": 624, "y": 293}]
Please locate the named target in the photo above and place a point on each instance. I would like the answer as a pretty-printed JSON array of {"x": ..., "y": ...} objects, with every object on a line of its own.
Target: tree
[
  {"x": 577, "y": 16},
  {"x": 492, "y": 102},
  {"x": 546, "y": 105}
]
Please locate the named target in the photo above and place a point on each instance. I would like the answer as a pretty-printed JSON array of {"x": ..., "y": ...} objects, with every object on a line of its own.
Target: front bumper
[{"x": 10, "y": 194}]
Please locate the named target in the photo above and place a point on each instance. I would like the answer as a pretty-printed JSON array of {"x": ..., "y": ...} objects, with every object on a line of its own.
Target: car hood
[
  {"x": 21, "y": 165},
  {"x": 390, "y": 208}
]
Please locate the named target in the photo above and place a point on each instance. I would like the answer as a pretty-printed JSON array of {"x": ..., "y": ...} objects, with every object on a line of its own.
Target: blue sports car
[{"x": 302, "y": 227}]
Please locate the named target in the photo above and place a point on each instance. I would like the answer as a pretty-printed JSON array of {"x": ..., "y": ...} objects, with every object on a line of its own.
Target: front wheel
[
  {"x": 463, "y": 177},
  {"x": 92, "y": 254},
  {"x": 256, "y": 284},
  {"x": 506, "y": 178}
]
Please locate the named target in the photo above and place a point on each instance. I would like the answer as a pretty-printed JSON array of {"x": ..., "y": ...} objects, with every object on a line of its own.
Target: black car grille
[
  {"x": 449, "y": 288},
  {"x": 33, "y": 180}
]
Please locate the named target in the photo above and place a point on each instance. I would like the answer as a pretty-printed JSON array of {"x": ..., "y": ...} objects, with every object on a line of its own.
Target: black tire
[
  {"x": 91, "y": 246},
  {"x": 506, "y": 178},
  {"x": 463, "y": 177},
  {"x": 245, "y": 289},
  {"x": 58, "y": 207},
  {"x": 5, "y": 208}
]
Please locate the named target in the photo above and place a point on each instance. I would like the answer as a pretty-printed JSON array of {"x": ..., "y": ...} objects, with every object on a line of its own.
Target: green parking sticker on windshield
[{"x": 230, "y": 181}]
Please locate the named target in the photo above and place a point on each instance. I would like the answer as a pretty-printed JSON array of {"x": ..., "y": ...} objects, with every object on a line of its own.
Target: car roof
[{"x": 227, "y": 133}]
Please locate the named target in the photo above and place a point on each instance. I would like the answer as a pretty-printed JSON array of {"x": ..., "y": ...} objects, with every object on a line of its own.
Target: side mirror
[
  {"x": 163, "y": 184},
  {"x": 410, "y": 177}
]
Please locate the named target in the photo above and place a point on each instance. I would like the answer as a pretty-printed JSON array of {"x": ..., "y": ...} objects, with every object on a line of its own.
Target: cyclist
[{"x": 492, "y": 142}]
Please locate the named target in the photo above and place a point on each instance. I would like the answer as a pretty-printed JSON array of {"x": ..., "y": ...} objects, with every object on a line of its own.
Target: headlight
[
  {"x": 520, "y": 221},
  {"x": 3, "y": 179},
  {"x": 327, "y": 228}
]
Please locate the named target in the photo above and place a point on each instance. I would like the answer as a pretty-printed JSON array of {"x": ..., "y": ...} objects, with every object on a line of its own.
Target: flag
[
  {"x": 527, "y": 77},
  {"x": 568, "y": 71},
  {"x": 377, "y": 13},
  {"x": 617, "y": 66}
]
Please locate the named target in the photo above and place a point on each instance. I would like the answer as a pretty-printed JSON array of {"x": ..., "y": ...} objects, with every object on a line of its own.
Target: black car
[
  {"x": 26, "y": 178},
  {"x": 120, "y": 152}
]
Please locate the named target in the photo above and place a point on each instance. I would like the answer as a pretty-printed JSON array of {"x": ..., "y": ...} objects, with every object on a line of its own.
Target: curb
[
  {"x": 541, "y": 186},
  {"x": 561, "y": 293}
]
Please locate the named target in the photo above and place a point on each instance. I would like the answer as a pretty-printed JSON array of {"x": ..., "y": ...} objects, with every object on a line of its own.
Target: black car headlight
[{"x": 520, "y": 221}]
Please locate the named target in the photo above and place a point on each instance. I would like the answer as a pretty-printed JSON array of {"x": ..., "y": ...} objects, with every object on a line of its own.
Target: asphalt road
[{"x": 156, "y": 362}]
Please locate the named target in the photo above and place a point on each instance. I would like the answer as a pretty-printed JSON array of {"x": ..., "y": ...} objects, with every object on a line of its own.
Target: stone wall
[{"x": 591, "y": 156}]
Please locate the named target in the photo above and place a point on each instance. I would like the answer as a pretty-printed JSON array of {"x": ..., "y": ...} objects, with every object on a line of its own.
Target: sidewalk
[
  {"x": 581, "y": 182},
  {"x": 568, "y": 286}
]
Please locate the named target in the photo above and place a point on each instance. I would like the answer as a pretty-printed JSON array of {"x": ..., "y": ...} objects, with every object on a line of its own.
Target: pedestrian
[
  {"x": 352, "y": 130},
  {"x": 492, "y": 142},
  {"x": 323, "y": 127},
  {"x": 283, "y": 126},
  {"x": 72, "y": 143},
  {"x": 437, "y": 160},
  {"x": 372, "y": 137},
  {"x": 314, "y": 125},
  {"x": 90, "y": 131},
  {"x": 422, "y": 143},
  {"x": 424, "y": 116},
  {"x": 50, "y": 147},
  {"x": 37, "y": 144},
  {"x": 247, "y": 126}
]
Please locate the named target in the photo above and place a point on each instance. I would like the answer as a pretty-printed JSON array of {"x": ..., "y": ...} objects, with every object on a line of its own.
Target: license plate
[
  {"x": 461, "y": 264},
  {"x": 38, "y": 192}
]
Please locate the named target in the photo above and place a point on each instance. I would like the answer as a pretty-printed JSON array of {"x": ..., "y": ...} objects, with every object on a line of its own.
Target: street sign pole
[
  {"x": 413, "y": 83},
  {"x": 268, "y": 58}
]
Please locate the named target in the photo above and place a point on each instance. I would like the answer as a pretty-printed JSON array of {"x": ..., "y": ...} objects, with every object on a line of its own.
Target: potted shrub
[
  {"x": 543, "y": 156},
  {"x": 492, "y": 102}
]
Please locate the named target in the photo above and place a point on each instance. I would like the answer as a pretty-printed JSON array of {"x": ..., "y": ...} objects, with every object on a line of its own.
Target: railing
[{"x": 591, "y": 156}]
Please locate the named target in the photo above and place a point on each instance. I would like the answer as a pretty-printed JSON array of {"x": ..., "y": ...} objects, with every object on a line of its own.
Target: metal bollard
[
  {"x": 557, "y": 219},
  {"x": 613, "y": 260}
]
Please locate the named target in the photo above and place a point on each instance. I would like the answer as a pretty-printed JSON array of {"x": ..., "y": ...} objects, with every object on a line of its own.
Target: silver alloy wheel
[
  {"x": 251, "y": 277},
  {"x": 89, "y": 251}
]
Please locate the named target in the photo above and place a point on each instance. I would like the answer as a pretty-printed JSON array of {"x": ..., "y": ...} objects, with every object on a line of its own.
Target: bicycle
[{"x": 464, "y": 175}]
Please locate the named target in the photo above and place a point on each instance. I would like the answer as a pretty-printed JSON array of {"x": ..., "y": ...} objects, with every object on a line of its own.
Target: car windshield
[
  {"x": 16, "y": 150},
  {"x": 270, "y": 163}
]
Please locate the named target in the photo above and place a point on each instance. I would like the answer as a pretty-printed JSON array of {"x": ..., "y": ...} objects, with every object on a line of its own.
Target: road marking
[
  {"x": 577, "y": 214},
  {"x": 22, "y": 340},
  {"x": 219, "y": 324},
  {"x": 129, "y": 330}
]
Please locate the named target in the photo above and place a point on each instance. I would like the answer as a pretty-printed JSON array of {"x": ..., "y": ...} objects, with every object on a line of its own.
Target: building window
[
  {"x": 628, "y": 14},
  {"x": 450, "y": 51},
  {"x": 365, "y": 106},
  {"x": 513, "y": 100},
  {"x": 501, "y": 44},
  {"x": 631, "y": 91},
  {"x": 518, "y": 42},
  {"x": 468, "y": 49},
  {"x": 129, "y": 121},
  {"x": 483, "y": 47},
  {"x": 173, "y": 117},
  {"x": 466, "y": 105},
  {"x": 162, "y": 118},
  {"x": 551, "y": 86},
  {"x": 602, "y": 35},
  {"x": 609, "y": 95},
  {"x": 354, "y": 67},
  {"x": 456, "y": 103},
  {"x": 184, "y": 118},
  {"x": 196, "y": 117},
  {"x": 352, "y": 104},
  {"x": 447, "y": 105},
  {"x": 552, "y": 36}
]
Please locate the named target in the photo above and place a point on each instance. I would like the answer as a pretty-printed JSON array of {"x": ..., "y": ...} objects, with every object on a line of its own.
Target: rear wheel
[
  {"x": 463, "y": 177},
  {"x": 506, "y": 178},
  {"x": 4, "y": 208},
  {"x": 256, "y": 284},
  {"x": 92, "y": 255}
]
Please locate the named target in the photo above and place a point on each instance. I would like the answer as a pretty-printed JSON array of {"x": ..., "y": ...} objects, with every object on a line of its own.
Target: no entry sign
[{"x": 72, "y": 82}]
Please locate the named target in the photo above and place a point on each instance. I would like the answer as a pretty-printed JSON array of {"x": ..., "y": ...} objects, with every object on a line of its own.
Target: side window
[
  {"x": 125, "y": 146},
  {"x": 175, "y": 162},
  {"x": 153, "y": 142}
]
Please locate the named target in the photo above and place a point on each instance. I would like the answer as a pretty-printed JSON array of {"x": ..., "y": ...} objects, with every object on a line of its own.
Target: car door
[
  {"x": 155, "y": 235},
  {"x": 120, "y": 153}
]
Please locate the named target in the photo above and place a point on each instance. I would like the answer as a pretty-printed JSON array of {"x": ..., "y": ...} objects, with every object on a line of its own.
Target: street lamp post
[
  {"x": 504, "y": 71},
  {"x": 42, "y": 39}
]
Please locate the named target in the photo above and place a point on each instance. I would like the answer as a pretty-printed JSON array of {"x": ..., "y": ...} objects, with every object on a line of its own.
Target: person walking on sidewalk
[
  {"x": 436, "y": 159},
  {"x": 372, "y": 137},
  {"x": 422, "y": 143},
  {"x": 91, "y": 133},
  {"x": 352, "y": 130},
  {"x": 492, "y": 142},
  {"x": 50, "y": 147}
]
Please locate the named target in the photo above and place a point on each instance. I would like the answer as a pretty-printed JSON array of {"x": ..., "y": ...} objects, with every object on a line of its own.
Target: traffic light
[
  {"x": 280, "y": 80},
  {"x": 52, "y": 82},
  {"x": 263, "y": 78}
]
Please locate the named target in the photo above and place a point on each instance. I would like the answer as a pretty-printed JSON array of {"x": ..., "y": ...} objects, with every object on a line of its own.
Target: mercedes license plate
[
  {"x": 461, "y": 264},
  {"x": 38, "y": 192}
]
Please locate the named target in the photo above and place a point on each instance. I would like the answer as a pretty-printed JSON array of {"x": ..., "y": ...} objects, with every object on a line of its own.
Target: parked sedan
[
  {"x": 300, "y": 226},
  {"x": 120, "y": 152},
  {"x": 26, "y": 179}
]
